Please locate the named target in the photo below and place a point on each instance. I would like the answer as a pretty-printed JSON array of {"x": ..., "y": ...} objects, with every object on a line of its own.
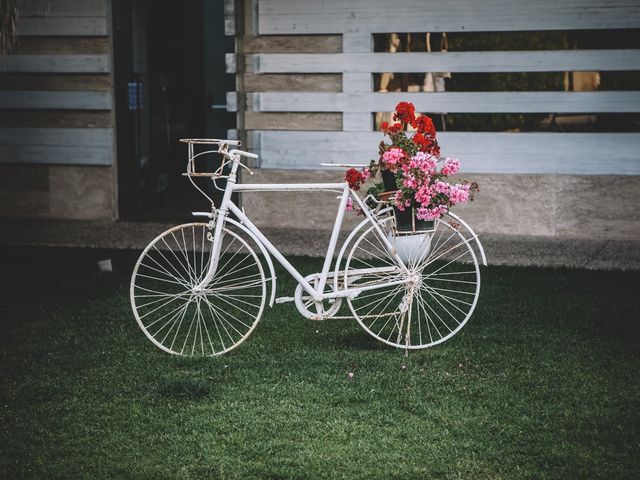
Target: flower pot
[
  {"x": 412, "y": 249},
  {"x": 389, "y": 181},
  {"x": 410, "y": 236},
  {"x": 407, "y": 223}
]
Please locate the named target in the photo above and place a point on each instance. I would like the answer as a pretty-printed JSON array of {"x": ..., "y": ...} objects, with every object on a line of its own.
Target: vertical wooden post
[{"x": 357, "y": 82}]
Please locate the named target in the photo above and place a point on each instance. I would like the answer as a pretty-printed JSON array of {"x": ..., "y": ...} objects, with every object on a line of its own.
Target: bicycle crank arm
[{"x": 285, "y": 299}]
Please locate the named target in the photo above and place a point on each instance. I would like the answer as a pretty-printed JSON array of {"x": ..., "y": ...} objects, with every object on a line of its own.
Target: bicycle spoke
[{"x": 209, "y": 321}]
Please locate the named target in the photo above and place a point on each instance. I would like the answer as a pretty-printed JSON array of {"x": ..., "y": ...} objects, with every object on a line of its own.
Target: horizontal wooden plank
[
  {"x": 56, "y": 118},
  {"x": 292, "y": 44},
  {"x": 63, "y": 45},
  {"x": 56, "y": 100},
  {"x": 63, "y": 8},
  {"x": 62, "y": 26},
  {"x": 519, "y": 153},
  {"x": 56, "y": 82},
  {"x": 292, "y": 121},
  {"x": 521, "y": 61},
  {"x": 322, "y": 82},
  {"x": 74, "y": 146},
  {"x": 88, "y": 137},
  {"x": 379, "y": 16},
  {"x": 449, "y": 102},
  {"x": 56, "y": 155},
  {"x": 57, "y": 64}
]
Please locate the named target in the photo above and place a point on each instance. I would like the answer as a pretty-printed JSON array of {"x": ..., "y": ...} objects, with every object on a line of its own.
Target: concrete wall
[{"x": 547, "y": 205}]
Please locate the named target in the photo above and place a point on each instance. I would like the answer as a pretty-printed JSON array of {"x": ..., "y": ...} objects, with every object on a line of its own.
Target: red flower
[
  {"x": 384, "y": 127},
  {"x": 420, "y": 140},
  {"x": 393, "y": 129},
  {"x": 354, "y": 178},
  {"x": 425, "y": 125},
  {"x": 405, "y": 113}
]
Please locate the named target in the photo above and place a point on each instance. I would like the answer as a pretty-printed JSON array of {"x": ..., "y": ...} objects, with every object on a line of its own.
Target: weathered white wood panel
[
  {"x": 382, "y": 16},
  {"x": 58, "y": 155},
  {"x": 93, "y": 137},
  {"x": 229, "y": 17},
  {"x": 56, "y": 100},
  {"x": 357, "y": 83},
  {"x": 519, "y": 153},
  {"x": 63, "y": 8},
  {"x": 56, "y": 64},
  {"x": 73, "y": 146},
  {"x": 62, "y": 26},
  {"x": 515, "y": 61},
  {"x": 449, "y": 102}
]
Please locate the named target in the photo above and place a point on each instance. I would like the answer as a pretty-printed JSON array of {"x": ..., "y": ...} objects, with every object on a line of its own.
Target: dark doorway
[{"x": 170, "y": 83}]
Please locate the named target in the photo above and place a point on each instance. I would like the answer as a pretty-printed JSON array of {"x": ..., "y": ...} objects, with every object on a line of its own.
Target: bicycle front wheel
[{"x": 207, "y": 322}]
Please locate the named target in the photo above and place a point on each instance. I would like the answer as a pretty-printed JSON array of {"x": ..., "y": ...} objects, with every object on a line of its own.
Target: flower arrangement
[{"x": 413, "y": 172}]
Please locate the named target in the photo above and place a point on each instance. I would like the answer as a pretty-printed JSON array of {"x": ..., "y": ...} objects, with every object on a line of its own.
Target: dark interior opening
[{"x": 170, "y": 83}]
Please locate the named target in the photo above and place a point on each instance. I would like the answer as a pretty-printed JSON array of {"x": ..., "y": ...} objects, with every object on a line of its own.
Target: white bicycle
[{"x": 200, "y": 288}]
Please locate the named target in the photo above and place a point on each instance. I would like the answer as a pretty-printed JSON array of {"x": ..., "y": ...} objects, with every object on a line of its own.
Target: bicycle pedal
[{"x": 284, "y": 299}]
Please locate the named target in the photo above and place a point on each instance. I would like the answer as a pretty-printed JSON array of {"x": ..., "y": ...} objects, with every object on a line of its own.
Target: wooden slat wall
[
  {"x": 451, "y": 102},
  {"x": 526, "y": 153},
  {"x": 56, "y": 88},
  {"x": 294, "y": 60},
  {"x": 380, "y": 16},
  {"x": 532, "y": 61}
]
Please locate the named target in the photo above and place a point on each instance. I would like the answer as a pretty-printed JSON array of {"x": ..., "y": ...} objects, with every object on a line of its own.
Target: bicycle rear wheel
[
  {"x": 424, "y": 305},
  {"x": 209, "y": 322}
]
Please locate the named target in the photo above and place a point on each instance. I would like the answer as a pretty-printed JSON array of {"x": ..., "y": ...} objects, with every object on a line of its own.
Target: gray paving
[{"x": 600, "y": 254}]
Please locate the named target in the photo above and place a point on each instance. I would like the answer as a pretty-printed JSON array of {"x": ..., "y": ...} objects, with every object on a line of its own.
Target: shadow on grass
[{"x": 184, "y": 389}]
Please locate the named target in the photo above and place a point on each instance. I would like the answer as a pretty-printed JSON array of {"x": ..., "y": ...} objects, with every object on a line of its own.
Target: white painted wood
[
  {"x": 56, "y": 155},
  {"x": 56, "y": 100},
  {"x": 69, "y": 146},
  {"x": 381, "y": 16},
  {"x": 63, "y": 8},
  {"x": 357, "y": 83},
  {"x": 232, "y": 101},
  {"x": 62, "y": 26},
  {"x": 88, "y": 137},
  {"x": 357, "y": 42},
  {"x": 513, "y": 61},
  {"x": 56, "y": 64},
  {"x": 357, "y": 122},
  {"x": 450, "y": 102},
  {"x": 229, "y": 17},
  {"x": 230, "y": 62},
  {"x": 520, "y": 153}
]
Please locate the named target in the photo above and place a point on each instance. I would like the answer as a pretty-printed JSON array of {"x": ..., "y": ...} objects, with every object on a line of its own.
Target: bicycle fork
[{"x": 216, "y": 240}]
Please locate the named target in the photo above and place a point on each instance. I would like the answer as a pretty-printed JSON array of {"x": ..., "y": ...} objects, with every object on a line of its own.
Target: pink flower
[
  {"x": 399, "y": 201},
  {"x": 393, "y": 156},
  {"x": 441, "y": 187},
  {"x": 424, "y": 213},
  {"x": 459, "y": 193},
  {"x": 424, "y": 162},
  {"x": 366, "y": 173},
  {"x": 349, "y": 207},
  {"x": 451, "y": 166},
  {"x": 423, "y": 195},
  {"x": 410, "y": 182}
]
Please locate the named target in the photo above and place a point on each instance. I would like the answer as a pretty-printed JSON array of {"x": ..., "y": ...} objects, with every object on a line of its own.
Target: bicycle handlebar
[{"x": 241, "y": 153}]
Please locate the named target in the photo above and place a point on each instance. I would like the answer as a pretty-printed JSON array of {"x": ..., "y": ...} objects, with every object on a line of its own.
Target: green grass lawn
[{"x": 543, "y": 382}]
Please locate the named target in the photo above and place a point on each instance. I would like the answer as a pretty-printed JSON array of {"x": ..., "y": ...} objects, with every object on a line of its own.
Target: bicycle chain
[{"x": 351, "y": 317}]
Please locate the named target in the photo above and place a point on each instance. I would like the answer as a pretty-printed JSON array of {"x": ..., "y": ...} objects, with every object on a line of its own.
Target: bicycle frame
[
  {"x": 317, "y": 294},
  {"x": 422, "y": 286}
]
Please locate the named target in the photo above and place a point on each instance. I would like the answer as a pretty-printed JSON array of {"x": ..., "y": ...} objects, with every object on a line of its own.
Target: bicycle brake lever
[{"x": 247, "y": 168}]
